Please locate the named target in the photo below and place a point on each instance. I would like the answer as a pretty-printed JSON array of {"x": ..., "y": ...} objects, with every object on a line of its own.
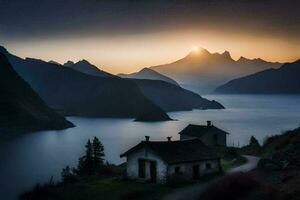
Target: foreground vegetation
[
  {"x": 277, "y": 176},
  {"x": 93, "y": 178},
  {"x": 97, "y": 188},
  {"x": 230, "y": 157}
]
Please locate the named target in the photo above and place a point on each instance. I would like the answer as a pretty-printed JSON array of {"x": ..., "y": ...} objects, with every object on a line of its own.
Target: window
[
  {"x": 177, "y": 170},
  {"x": 208, "y": 166},
  {"x": 142, "y": 166}
]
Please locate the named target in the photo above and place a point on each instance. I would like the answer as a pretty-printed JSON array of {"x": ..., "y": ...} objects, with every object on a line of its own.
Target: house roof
[
  {"x": 177, "y": 151},
  {"x": 200, "y": 130}
]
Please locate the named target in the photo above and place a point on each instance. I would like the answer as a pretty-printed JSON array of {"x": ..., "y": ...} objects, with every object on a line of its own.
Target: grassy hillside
[
  {"x": 98, "y": 189},
  {"x": 276, "y": 178}
]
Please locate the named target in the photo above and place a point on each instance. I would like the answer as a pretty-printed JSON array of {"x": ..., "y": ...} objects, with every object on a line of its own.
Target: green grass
[
  {"x": 225, "y": 164},
  {"x": 110, "y": 188},
  {"x": 228, "y": 164}
]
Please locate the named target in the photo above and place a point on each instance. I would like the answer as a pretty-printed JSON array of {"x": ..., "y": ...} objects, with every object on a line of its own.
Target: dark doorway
[
  {"x": 153, "y": 171},
  {"x": 142, "y": 167},
  {"x": 195, "y": 172},
  {"x": 208, "y": 166},
  {"x": 215, "y": 139}
]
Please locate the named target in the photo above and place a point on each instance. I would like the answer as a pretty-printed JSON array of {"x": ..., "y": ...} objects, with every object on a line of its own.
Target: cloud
[{"x": 44, "y": 18}]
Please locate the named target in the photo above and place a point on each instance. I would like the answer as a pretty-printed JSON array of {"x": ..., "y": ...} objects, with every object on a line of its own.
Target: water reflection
[{"x": 35, "y": 157}]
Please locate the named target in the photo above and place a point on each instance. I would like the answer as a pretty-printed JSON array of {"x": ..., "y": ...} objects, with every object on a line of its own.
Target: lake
[{"x": 35, "y": 157}]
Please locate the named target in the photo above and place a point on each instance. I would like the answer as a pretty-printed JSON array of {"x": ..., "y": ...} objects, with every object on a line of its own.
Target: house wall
[
  {"x": 133, "y": 165},
  {"x": 208, "y": 139},
  {"x": 222, "y": 139},
  {"x": 185, "y": 137},
  {"x": 186, "y": 169}
]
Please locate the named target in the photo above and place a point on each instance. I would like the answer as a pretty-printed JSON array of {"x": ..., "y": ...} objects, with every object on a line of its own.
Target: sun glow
[
  {"x": 195, "y": 49},
  {"x": 144, "y": 50}
]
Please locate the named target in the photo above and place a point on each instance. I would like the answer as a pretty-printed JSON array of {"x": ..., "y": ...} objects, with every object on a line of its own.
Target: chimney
[
  {"x": 147, "y": 138},
  {"x": 208, "y": 123},
  {"x": 169, "y": 138}
]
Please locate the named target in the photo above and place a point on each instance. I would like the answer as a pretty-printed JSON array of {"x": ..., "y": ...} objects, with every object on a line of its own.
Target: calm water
[{"x": 33, "y": 158}]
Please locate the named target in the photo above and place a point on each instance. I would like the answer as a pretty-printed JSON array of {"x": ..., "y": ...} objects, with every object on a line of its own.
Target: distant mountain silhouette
[
  {"x": 203, "y": 71},
  {"x": 68, "y": 63},
  {"x": 21, "y": 109},
  {"x": 75, "y": 93},
  {"x": 87, "y": 68},
  {"x": 150, "y": 74},
  {"x": 54, "y": 62},
  {"x": 153, "y": 117},
  {"x": 284, "y": 80},
  {"x": 171, "y": 97},
  {"x": 174, "y": 98}
]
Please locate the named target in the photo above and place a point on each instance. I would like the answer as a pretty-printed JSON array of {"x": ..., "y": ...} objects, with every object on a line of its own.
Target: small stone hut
[
  {"x": 155, "y": 161},
  {"x": 209, "y": 134}
]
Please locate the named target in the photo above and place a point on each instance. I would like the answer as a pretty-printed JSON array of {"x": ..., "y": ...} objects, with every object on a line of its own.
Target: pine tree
[
  {"x": 254, "y": 142},
  {"x": 81, "y": 167},
  {"x": 98, "y": 154},
  {"x": 86, "y": 163},
  {"x": 89, "y": 157},
  {"x": 67, "y": 175},
  {"x": 93, "y": 160}
]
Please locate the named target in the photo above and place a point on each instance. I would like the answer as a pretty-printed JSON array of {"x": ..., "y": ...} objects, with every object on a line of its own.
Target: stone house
[
  {"x": 155, "y": 161},
  {"x": 208, "y": 134}
]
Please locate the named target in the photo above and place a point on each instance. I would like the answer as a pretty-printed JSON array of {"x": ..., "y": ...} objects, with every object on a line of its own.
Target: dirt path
[
  {"x": 193, "y": 192},
  {"x": 248, "y": 166}
]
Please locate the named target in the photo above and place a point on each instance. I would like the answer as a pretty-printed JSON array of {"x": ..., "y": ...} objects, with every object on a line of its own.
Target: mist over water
[{"x": 34, "y": 158}]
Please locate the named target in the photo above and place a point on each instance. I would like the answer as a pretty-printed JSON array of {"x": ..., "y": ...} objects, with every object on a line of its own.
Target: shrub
[
  {"x": 67, "y": 175},
  {"x": 39, "y": 191},
  {"x": 231, "y": 187},
  {"x": 132, "y": 195},
  {"x": 177, "y": 179}
]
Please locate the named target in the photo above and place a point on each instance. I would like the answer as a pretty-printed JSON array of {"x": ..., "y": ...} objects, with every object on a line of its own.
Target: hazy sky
[{"x": 124, "y": 36}]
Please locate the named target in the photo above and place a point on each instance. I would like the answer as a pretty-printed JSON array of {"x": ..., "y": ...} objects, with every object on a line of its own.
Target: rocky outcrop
[
  {"x": 21, "y": 108},
  {"x": 75, "y": 93}
]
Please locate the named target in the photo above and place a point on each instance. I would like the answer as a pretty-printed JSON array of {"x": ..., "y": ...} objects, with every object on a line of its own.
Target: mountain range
[
  {"x": 284, "y": 80},
  {"x": 171, "y": 97},
  {"x": 165, "y": 93},
  {"x": 74, "y": 93},
  {"x": 85, "y": 67},
  {"x": 150, "y": 74},
  {"x": 21, "y": 108},
  {"x": 202, "y": 71}
]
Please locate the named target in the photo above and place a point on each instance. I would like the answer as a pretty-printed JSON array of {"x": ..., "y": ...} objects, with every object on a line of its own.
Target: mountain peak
[
  {"x": 86, "y": 67},
  {"x": 150, "y": 74},
  {"x": 3, "y": 49},
  {"x": 146, "y": 69},
  {"x": 83, "y": 61},
  {"x": 54, "y": 62},
  {"x": 226, "y": 54},
  {"x": 259, "y": 59},
  {"x": 203, "y": 51},
  {"x": 198, "y": 52},
  {"x": 242, "y": 58},
  {"x": 68, "y": 63}
]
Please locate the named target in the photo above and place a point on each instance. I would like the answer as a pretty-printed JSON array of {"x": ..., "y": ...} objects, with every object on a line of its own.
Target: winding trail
[
  {"x": 248, "y": 166},
  {"x": 193, "y": 192}
]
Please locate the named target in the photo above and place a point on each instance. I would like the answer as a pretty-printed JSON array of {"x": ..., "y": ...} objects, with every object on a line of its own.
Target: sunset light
[
  {"x": 195, "y": 49},
  {"x": 162, "y": 99}
]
